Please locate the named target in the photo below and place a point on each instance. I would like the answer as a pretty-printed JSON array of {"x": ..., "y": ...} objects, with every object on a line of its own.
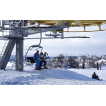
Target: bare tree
[
  {"x": 72, "y": 61},
  {"x": 60, "y": 58}
]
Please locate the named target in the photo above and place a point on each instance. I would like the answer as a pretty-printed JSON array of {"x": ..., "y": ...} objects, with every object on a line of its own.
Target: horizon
[{"x": 69, "y": 55}]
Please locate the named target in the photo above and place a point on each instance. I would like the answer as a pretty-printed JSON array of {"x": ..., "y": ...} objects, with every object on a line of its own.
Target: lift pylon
[
  {"x": 7, "y": 53},
  {"x": 19, "y": 55}
]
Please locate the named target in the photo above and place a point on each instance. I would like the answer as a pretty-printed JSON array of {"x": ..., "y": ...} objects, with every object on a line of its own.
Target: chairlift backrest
[
  {"x": 36, "y": 46},
  {"x": 31, "y": 47}
]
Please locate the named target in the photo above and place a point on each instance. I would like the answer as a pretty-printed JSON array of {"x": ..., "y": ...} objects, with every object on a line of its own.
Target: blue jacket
[{"x": 36, "y": 56}]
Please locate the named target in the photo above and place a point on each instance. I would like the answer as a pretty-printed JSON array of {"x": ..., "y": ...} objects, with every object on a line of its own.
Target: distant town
[{"x": 82, "y": 61}]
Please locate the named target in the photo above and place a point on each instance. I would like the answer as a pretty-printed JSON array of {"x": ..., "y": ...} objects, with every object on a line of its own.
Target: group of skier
[
  {"x": 77, "y": 65},
  {"x": 39, "y": 59},
  {"x": 99, "y": 66}
]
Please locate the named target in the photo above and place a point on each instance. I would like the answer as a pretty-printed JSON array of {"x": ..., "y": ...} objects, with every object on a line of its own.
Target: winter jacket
[
  {"x": 36, "y": 56},
  {"x": 94, "y": 76}
]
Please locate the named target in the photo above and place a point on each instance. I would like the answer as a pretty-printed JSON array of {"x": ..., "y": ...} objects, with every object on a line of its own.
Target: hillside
[{"x": 51, "y": 76}]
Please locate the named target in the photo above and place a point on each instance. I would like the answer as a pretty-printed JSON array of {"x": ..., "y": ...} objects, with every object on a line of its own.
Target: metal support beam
[
  {"x": 19, "y": 55},
  {"x": 7, "y": 54}
]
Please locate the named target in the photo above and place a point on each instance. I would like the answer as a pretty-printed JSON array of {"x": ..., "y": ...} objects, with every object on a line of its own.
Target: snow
[{"x": 51, "y": 76}]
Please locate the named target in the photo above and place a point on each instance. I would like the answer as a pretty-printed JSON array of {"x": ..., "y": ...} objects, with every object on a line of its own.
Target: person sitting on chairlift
[
  {"x": 46, "y": 55},
  {"x": 42, "y": 59},
  {"x": 36, "y": 58}
]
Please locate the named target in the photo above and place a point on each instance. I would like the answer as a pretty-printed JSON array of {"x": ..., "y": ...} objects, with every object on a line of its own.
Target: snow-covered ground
[{"x": 51, "y": 76}]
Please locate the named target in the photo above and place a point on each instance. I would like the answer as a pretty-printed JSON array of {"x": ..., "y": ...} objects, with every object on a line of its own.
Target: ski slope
[{"x": 51, "y": 76}]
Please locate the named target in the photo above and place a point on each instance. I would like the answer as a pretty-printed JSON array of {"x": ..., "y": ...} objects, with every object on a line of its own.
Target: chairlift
[
  {"x": 30, "y": 59},
  {"x": 33, "y": 48}
]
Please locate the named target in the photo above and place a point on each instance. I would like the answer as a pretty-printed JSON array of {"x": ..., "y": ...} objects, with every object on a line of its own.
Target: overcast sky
[{"x": 95, "y": 45}]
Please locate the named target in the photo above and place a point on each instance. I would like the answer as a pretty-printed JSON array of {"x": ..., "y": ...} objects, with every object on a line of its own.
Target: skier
[
  {"x": 42, "y": 60},
  {"x": 94, "y": 76},
  {"x": 83, "y": 66},
  {"x": 97, "y": 66},
  {"x": 77, "y": 65},
  {"x": 36, "y": 58},
  {"x": 100, "y": 65},
  {"x": 44, "y": 53}
]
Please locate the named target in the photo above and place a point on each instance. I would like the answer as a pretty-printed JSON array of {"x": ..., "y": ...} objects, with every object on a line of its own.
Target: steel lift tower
[
  {"x": 15, "y": 36},
  {"x": 15, "y": 31}
]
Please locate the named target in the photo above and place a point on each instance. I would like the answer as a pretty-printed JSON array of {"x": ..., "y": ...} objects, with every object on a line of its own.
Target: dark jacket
[
  {"x": 94, "y": 76},
  {"x": 97, "y": 65}
]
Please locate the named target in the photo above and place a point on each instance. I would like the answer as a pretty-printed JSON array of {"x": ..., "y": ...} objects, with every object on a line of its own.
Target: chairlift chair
[{"x": 30, "y": 59}]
